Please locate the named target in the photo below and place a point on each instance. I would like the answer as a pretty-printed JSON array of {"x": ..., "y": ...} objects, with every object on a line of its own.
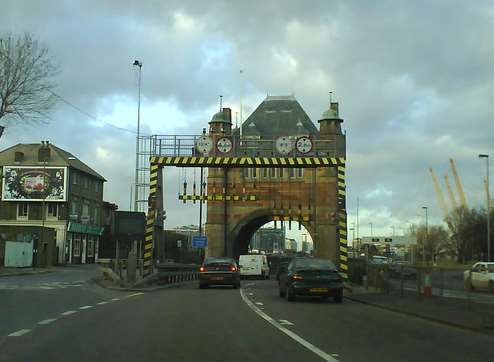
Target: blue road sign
[{"x": 199, "y": 242}]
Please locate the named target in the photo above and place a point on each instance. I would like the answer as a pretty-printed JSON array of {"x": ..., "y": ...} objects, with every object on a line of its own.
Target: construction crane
[
  {"x": 450, "y": 193},
  {"x": 459, "y": 188},
  {"x": 439, "y": 194}
]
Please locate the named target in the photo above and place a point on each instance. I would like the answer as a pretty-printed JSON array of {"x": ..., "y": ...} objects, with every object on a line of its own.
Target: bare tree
[
  {"x": 433, "y": 241},
  {"x": 26, "y": 79}
]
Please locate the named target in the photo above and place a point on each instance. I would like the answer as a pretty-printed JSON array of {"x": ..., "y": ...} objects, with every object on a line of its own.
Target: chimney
[
  {"x": 44, "y": 152},
  {"x": 334, "y": 107},
  {"x": 228, "y": 114}
]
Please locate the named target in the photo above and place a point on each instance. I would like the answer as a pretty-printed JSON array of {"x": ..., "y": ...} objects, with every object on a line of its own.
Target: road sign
[{"x": 199, "y": 242}]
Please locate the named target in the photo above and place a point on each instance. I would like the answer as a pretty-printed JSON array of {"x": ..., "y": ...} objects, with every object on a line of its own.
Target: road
[{"x": 221, "y": 324}]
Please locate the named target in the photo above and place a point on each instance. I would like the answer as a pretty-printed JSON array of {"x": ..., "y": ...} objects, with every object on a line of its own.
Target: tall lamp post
[
  {"x": 138, "y": 64},
  {"x": 426, "y": 232},
  {"x": 488, "y": 206},
  {"x": 372, "y": 234}
]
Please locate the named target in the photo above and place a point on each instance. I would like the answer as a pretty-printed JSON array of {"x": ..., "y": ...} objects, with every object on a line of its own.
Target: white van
[{"x": 254, "y": 265}]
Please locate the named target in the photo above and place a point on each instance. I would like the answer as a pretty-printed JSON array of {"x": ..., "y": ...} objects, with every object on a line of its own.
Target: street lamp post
[
  {"x": 488, "y": 206},
  {"x": 371, "y": 229},
  {"x": 426, "y": 232},
  {"x": 137, "y": 63}
]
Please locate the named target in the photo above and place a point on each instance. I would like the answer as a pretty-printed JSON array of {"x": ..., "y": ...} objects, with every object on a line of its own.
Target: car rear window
[
  {"x": 314, "y": 264},
  {"x": 219, "y": 261}
]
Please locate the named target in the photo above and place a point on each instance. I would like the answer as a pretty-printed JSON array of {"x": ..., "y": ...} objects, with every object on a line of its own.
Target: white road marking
[
  {"x": 259, "y": 303},
  {"x": 115, "y": 299},
  {"x": 69, "y": 312},
  {"x": 134, "y": 295},
  {"x": 47, "y": 321},
  {"x": 285, "y": 322},
  {"x": 251, "y": 293},
  {"x": 86, "y": 307},
  {"x": 101, "y": 303},
  {"x": 19, "y": 333},
  {"x": 48, "y": 288},
  {"x": 288, "y": 332}
]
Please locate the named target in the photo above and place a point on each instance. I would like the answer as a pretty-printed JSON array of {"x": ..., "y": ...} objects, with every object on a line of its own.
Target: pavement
[
  {"x": 473, "y": 314},
  {"x": 9, "y": 272},
  {"x": 90, "y": 323}
]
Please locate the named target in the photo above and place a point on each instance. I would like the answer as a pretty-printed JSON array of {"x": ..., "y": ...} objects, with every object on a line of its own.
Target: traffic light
[{"x": 388, "y": 240}]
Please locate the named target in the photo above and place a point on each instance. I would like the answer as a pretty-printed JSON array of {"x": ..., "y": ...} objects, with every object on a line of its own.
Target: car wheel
[
  {"x": 203, "y": 286},
  {"x": 235, "y": 286},
  {"x": 282, "y": 293},
  {"x": 338, "y": 298},
  {"x": 267, "y": 277},
  {"x": 491, "y": 286},
  {"x": 468, "y": 285},
  {"x": 289, "y": 294}
]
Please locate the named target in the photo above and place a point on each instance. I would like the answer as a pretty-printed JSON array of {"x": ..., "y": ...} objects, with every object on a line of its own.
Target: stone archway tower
[{"x": 311, "y": 194}]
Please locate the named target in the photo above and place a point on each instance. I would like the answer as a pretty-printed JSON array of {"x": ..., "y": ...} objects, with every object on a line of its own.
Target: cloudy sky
[{"x": 414, "y": 80}]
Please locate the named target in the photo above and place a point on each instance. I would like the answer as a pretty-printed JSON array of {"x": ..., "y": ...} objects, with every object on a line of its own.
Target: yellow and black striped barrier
[
  {"x": 219, "y": 197},
  {"x": 342, "y": 223},
  {"x": 291, "y": 218},
  {"x": 150, "y": 220},
  {"x": 239, "y": 162}
]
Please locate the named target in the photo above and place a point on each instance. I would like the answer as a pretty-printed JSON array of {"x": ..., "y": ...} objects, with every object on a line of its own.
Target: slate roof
[
  {"x": 278, "y": 116},
  {"x": 30, "y": 151}
]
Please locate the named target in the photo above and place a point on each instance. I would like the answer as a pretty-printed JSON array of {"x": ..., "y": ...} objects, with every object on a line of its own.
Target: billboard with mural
[{"x": 26, "y": 183}]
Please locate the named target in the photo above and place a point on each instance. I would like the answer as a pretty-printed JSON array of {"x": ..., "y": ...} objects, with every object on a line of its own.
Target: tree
[
  {"x": 468, "y": 229},
  {"x": 434, "y": 241},
  {"x": 26, "y": 72}
]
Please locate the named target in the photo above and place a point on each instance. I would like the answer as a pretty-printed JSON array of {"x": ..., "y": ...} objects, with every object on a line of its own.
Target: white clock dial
[
  {"x": 224, "y": 145},
  {"x": 284, "y": 145},
  {"x": 304, "y": 144},
  {"x": 204, "y": 144}
]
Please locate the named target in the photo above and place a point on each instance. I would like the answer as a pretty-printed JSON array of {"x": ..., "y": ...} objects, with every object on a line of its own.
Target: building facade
[{"x": 51, "y": 201}]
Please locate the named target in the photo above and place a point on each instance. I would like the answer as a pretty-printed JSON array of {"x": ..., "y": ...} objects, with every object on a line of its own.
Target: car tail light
[
  {"x": 202, "y": 269},
  {"x": 297, "y": 277},
  {"x": 232, "y": 268}
]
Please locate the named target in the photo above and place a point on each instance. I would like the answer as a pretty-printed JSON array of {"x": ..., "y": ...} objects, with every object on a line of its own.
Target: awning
[{"x": 75, "y": 227}]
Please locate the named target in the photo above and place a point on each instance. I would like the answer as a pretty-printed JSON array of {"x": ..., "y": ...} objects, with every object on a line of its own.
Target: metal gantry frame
[{"x": 155, "y": 202}]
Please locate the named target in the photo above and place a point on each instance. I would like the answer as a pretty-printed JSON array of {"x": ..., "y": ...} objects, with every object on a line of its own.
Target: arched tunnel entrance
[{"x": 241, "y": 235}]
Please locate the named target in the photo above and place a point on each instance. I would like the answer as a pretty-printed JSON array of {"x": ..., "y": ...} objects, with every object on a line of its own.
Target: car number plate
[
  {"x": 217, "y": 278},
  {"x": 318, "y": 290}
]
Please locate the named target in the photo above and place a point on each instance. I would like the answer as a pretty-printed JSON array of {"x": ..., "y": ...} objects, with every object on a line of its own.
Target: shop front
[{"x": 82, "y": 243}]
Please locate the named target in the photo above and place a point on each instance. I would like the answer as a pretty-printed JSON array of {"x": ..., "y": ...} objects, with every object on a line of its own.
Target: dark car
[
  {"x": 219, "y": 271},
  {"x": 311, "y": 277}
]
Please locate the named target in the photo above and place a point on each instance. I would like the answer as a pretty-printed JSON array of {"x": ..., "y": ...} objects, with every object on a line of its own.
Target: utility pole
[
  {"x": 488, "y": 216},
  {"x": 372, "y": 234},
  {"x": 426, "y": 233},
  {"x": 138, "y": 64}
]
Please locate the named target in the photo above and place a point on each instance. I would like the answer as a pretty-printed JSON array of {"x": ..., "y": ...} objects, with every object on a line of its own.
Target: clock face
[
  {"x": 204, "y": 144},
  {"x": 304, "y": 144},
  {"x": 224, "y": 145},
  {"x": 284, "y": 145}
]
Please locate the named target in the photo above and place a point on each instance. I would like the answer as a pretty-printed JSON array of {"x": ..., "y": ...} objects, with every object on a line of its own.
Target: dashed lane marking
[
  {"x": 251, "y": 293},
  {"x": 288, "y": 332},
  {"x": 284, "y": 322},
  {"x": 102, "y": 303},
  {"x": 86, "y": 307},
  {"x": 47, "y": 321},
  {"x": 259, "y": 303},
  {"x": 69, "y": 312},
  {"x": 19, "y": 333},
  {"x": 134, "y": 295},
  {"x": 115, "y": 299}
]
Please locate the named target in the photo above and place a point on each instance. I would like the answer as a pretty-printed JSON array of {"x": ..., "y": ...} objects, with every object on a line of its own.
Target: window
[
  {"x": 22, "y": 210},
  {"x": 291, "y": 172},
  {"x": 254, "y": 172},
  {"x": 300, "y": 172},
  {"x": 272, "y": 172},
  {"x": 90, "y": 247},
  {"x": 76, "y": 248},
  {"x": 280, "y": 173},
  {"x": 74, "y": 206},
  {"x": 52, "y": 210},
  {"x": 95, "y": 214},
  {"x": 85, "y": 209},
  {"x": 265, "y": 172}
]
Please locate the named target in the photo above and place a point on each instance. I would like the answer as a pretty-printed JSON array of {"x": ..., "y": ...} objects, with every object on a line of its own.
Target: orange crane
[
  {"x": 439, "y": 194},
  {"x": 450, "y": 193},
  {"x": 459, "y": 188}
]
